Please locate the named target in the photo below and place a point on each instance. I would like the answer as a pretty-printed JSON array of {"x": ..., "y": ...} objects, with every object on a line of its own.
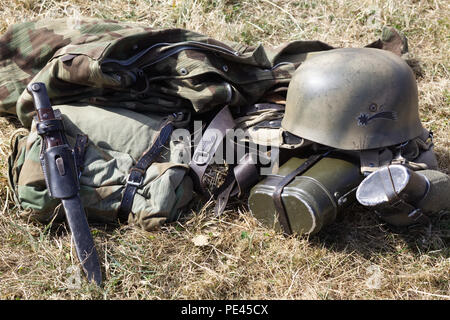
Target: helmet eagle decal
[{"x": 364, "y": 119}]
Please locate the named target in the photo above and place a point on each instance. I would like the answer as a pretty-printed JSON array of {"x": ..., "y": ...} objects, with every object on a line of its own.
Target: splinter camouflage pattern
[{"x": 116, "y": 82}]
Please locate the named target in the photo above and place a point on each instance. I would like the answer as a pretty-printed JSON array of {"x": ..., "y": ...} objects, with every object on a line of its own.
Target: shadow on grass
[
  {"x": 362, "y": 232},
  {"x": 358, "y": 231}
]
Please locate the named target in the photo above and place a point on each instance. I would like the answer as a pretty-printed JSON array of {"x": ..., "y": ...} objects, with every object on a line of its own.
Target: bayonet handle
[{"x": 45, "y": 112}]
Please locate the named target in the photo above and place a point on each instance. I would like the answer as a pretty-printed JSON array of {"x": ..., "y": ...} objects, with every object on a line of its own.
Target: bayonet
[{"x": 62, "y": 179}]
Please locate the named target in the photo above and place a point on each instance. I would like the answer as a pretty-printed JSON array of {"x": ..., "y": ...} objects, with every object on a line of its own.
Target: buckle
[
  {"x": 415, "y": 214},
  {"x": 201, "y": 157},
  {"x": 202, "y": 154},
  {"x": 135, "y": 183}
]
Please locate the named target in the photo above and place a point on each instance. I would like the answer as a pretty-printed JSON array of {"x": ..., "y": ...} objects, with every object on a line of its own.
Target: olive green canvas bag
[{"x": 117, "y": 138}]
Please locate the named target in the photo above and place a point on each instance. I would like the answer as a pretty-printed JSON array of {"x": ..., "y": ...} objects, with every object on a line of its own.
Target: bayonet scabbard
[{"x": 61, "y": 176}]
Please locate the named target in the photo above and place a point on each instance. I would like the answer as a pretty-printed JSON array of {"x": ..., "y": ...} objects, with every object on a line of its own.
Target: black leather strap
[
  {"x": 223, "y": 193},
  {"x": 278, "y": 202},
  {"x": 46, "y": 126},
  {"x": 208, "y": 145},
  {"x": 137, "y": 173},
  {"x": 239, "y": 179},
  {"x": 79, "y": 150},
  {"x": 241, "y": 176}
]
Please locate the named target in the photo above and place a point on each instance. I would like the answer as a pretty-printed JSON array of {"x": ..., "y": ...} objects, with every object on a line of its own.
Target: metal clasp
[{"x": 134, "y": 183}]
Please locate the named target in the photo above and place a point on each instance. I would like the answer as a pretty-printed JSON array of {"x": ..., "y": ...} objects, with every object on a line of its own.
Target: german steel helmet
[{"x": 353, "y": 99}]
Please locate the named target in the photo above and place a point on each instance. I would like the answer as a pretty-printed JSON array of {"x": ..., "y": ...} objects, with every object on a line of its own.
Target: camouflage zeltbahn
[
  {"x": 132, "y": 66},
  {"x": 116, "y": 82}
]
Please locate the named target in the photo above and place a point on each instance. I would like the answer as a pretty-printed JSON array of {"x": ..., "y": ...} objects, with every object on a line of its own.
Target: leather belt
[
  {"x": 137, "y": 173},
  {"x": 208, "y": 145},
  {"x": 239, "y": 178}
]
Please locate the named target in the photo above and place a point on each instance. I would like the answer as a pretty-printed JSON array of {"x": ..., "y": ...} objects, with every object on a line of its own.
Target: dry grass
[{"x": 355, "y": 258}]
